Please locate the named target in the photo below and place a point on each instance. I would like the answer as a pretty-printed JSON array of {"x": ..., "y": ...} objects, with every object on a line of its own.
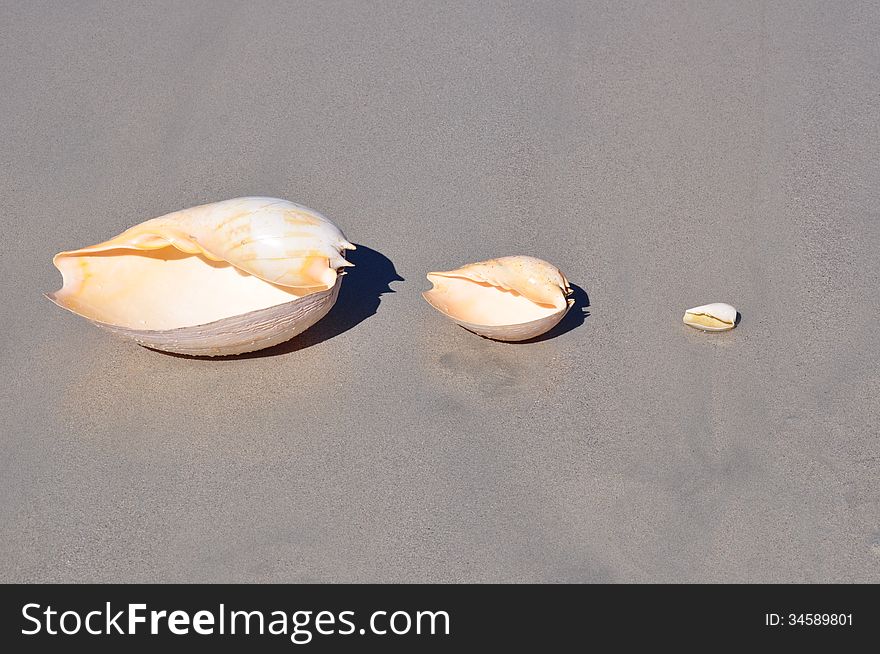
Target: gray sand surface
[{"x": 663, "y": 155}]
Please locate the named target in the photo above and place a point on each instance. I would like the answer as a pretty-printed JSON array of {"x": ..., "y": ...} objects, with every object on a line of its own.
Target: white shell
[
  {"x": 715, "y": 317},
  {"x": 506, "y": 299},
  {"x": 218, "y": 279}
]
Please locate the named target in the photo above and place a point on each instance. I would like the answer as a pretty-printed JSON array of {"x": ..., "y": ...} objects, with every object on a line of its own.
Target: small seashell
[
  {"x": 217, "y": 279},
  {"x": 507, "y": 299},
  {"x": 716, "y": 317}
]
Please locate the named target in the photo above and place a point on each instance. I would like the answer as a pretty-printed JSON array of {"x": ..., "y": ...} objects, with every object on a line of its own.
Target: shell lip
[
  {"x": 170, "y": 230},
  {"x": 53, "y": 297},
  {"x": 566, "y": 291}
]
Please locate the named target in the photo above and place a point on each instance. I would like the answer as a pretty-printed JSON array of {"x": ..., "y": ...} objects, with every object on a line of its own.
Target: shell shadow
[
  {"x": 359, "y": 298},
  {"x": 572, "y": 320}
]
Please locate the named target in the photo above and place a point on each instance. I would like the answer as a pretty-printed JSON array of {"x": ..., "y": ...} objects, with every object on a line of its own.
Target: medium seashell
[
  {"x": 217, "y": 279},
  {"x": 717, "y": 317},
  {"x": 507, "y": 299}
]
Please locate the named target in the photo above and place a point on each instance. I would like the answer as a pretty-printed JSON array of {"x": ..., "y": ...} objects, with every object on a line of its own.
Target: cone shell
[
  {"x": 716, "y": 317},
  {"x": 506, "y": 299},
  {"x": 222, "y": 278}
]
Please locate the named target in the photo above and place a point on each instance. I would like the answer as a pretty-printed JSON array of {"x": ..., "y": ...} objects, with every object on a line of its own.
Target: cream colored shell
[
  {"x": 715, "y": 317},
  {"x": 222, "y": 278},
  {"x": 506, "y": 299}
]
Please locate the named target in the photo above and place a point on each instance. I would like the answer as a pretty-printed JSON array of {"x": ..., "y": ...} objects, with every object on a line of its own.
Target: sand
[{"x": 662, "y": 155}]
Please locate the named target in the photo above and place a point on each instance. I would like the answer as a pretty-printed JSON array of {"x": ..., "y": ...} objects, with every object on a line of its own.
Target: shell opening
[
  {"x": 164, "y": 288},
  {"x": 707, "y": 321},
  {"x": 482, "y": 303}
]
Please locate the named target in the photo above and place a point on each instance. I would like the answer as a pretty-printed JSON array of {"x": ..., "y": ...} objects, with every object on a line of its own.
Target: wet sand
[{"x": 662, "y": 155}]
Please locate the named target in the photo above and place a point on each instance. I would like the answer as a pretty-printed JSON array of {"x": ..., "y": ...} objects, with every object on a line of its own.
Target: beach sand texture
[{"x": 662, "y": 155}]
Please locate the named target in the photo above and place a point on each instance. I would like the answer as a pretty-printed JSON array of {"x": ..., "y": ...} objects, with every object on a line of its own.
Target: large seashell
[
  {"x": 217, "y": 279},
  {"x": 716, "y": 317},
  {"x": 506, "y": 299}
]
